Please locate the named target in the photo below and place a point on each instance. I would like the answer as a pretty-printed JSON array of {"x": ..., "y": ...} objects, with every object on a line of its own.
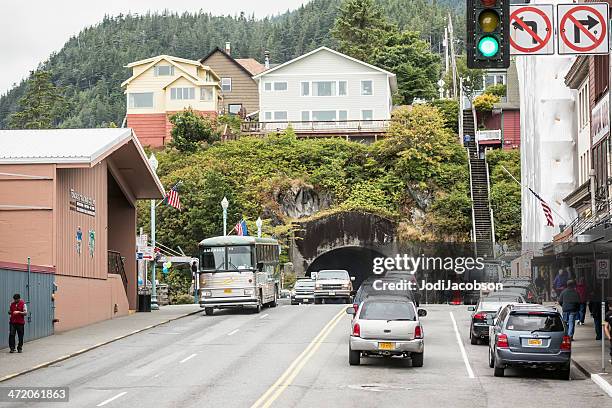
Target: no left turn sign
[
  {"x": 583, "y": 28},
  {"x": 531, "y": 30}
]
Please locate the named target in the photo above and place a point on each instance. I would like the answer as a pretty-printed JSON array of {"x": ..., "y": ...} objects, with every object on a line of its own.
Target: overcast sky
[{"x": 31, "y": 30}]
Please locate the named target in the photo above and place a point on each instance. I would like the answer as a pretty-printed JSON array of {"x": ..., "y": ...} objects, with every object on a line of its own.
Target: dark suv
[
  {"x": 523, "y": 287},
  {"x": 529, "y": 335}
]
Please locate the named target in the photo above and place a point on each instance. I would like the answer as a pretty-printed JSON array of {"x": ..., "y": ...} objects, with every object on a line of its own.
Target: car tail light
[
  {"x": 356, "y": 307},
  {"x": 566, "y": 344},
  {"x": 418, "y": 332},
  {"x": 356, "y": 330},
  {"x": 480, "y": 316},
  {"x": 502, "y": 341}
]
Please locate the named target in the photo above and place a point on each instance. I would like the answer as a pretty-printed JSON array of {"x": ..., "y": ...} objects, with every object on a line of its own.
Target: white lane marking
[
  {"x": 263, "y": 316},
  {"x": 121, "y": 394},
  {"x": 463, "y": 353},
  {"x": 233, "y": 332},
  {"x": 603, "y": 384},
  {"x": 187, "y": 358}
]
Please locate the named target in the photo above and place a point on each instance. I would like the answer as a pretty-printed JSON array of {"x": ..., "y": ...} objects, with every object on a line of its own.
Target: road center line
[
  {"x": 187, "y": 358},
  {"x": 463, "y": 353},
  {"x": 233, "y": 332},
  {"x": 263, "y": 316},
  {"x": 121, "y": 394},
  {"x": 296, "y": 366}
]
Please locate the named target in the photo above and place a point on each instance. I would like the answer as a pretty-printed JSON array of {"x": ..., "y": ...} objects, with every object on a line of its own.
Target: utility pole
[
  {"x": 445, "y": 44},
  {"x": 452, "y": 51}
]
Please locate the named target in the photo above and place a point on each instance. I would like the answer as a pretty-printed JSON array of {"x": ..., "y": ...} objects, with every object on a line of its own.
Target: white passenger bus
[{"x": 238, "y": 271}]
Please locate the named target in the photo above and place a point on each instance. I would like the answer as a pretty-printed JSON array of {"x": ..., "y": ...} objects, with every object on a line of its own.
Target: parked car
[
  {"x": 386, "y": 326},
  {"x": 530, "y": 335},
  {"x": 524, "y": 287},
  {"x": 285, "y": 293},
  {"x": 333, "y": 284},
  {"x": 367, "y": 289},
  {"x": 303, "y": 292},
  {"x": 505, "y": 297},
  {"x": 483, "y": 316}
]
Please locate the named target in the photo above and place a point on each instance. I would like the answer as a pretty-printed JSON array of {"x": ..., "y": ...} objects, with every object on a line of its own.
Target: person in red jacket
[{"x": 18, "y": 311}]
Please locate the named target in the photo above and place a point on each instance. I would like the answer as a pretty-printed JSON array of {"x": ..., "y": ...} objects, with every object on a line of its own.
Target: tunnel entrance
[{"x": 356, "y": 260}]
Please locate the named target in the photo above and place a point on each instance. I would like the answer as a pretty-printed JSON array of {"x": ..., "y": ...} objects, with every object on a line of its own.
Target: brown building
[
  {"x": 240, "y": 91},
  {"x": 68, "y": 202}
]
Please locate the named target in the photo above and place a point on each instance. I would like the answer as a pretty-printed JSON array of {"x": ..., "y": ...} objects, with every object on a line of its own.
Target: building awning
[{"x": 84, "y": 148}]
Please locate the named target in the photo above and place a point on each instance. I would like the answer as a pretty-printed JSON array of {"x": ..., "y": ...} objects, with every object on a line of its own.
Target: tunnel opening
[{"x": 356, "y": 260}]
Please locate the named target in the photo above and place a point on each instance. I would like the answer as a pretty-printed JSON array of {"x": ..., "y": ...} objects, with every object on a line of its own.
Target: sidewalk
[
  {"x": 586, "y": 354},
  {"x": 49, "y": 350}
]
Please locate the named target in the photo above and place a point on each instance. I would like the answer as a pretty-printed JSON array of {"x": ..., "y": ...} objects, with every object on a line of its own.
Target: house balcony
[
  {"x": 489, "y": 136},
  {"x": 362, "y": 130}
]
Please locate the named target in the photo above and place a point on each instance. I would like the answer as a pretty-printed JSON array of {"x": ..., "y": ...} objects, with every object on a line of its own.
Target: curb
[
  {"x": 95, "y": 346},
  {"x": 596, "y": 378}
]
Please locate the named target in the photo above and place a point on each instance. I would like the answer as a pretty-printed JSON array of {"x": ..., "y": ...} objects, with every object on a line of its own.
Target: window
[
  {"x": 367, "y": 114},
  {"x": 280, "y": 86},
  {"x": 602, "y": 67},
  {"x": 182, "y": 93},
  {"x": 323, "y": 116},
  {"x": 324, "y": 88},
  {"x": 140, "y": 100},
  {"x": 280, "y": 115},
  {"x": 305, "y": 88},
  {"x": 226, "y": 84},
  {"x": 268, "y": 116},
  {"x": 342, "y": 88},
  {"x": 305, "y": 116},
  {"x": 163, "y": 70},
  {"x": 206, "y": 94},
  {"x": 234, "y": 108},
  {"x": 267, "y": 86},
  {"x": 342, "y": 115},
  {"x": 366, "y": 88},
  {"x": 583, "y": 106}
]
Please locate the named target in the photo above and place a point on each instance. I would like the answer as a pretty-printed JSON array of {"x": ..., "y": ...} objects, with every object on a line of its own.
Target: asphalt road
[{"x": 297, "y": 356}]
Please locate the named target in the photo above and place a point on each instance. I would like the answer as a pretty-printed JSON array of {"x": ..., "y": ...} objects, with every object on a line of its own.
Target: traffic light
[{"x": 488, "y": 34}]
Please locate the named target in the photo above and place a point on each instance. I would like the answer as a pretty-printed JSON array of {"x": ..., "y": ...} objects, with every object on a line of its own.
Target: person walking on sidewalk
[
  {"x": 582, "y": 292},
  {"x": 18, "y": 311},
  {"x": 569, "y": 300},
  {"x": 608, "y": 326}
]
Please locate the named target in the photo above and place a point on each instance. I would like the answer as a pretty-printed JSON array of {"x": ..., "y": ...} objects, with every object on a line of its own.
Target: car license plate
[
  {"x": 332, "y": 293},
  {"x": 386, "y": 346},
  {"x": 305, "y": 300},
  {"x": 227, "y": 291},
  {"x": 534, "y": 342}
]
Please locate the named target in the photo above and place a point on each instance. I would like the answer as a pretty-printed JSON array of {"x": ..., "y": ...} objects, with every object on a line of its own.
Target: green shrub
[
  {"x": 183, "y": 299},
  {"x": 497, "y": 90},
  {"x": 485, "y": 102}
]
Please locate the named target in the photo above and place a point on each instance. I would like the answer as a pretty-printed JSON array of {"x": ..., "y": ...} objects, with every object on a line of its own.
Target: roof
[
  {"x": 235, "y": 61},
  {"x": 160, "y": 57},
  {"x": 83, "y": 148},
  {"x": 236, "y": 240},
  {"x": 170, "y": 59},
  {"x": 392, "y": 77},
  {"x": 190, "y": 79},
  {"x": 251, "y": 65}
]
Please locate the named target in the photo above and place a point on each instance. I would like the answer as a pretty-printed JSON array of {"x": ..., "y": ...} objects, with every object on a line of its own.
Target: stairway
[{"x": 481, "y": 210}]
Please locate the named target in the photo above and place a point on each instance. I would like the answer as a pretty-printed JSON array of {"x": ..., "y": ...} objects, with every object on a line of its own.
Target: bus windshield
[{"x": 238, "y": 258}]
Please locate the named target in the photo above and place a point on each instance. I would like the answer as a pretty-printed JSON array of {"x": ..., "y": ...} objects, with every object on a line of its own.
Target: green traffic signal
[{"x": 488, "y": 46}]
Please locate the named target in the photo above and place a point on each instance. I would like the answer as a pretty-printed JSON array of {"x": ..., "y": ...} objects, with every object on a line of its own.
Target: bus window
[
  {"x": 212, "y": 258},
  {"x": 239, "y": 257}
]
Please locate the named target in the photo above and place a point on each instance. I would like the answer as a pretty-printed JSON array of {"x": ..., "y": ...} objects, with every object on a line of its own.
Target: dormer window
[{"x": 164, "y": 70}]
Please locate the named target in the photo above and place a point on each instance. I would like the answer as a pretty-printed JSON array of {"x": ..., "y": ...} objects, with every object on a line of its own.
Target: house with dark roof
[{"x": 240, "y": 91}]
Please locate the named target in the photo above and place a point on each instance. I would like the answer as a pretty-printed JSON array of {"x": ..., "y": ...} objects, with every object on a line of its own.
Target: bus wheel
[
  {"x": 209, "y": 311},
  {"x": 258, "y": 308},
  {"x": 274, "y": 303}
]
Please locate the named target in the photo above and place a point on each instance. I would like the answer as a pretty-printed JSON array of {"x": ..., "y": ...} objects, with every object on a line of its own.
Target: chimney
[
  {"x": 228, "y": 48},
  {"x": 267, "y": 59}
]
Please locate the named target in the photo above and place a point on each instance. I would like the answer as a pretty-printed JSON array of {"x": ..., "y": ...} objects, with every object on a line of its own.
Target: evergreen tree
[
  {"x": 41, "y": 106},
  {"x": 361, "y": 29}
]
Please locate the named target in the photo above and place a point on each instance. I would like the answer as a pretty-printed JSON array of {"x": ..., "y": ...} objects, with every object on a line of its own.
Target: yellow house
[{"x": 163, "y": 85}]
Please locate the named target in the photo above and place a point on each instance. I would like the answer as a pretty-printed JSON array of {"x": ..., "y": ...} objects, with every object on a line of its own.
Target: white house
[{"x": 325, "y": 85}]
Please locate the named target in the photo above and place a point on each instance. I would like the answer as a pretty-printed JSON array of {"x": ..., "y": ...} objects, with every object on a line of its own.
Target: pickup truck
[{"x": 333, "y": 284}]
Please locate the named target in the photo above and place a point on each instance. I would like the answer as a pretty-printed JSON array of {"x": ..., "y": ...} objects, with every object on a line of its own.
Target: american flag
[
  {"x": 546, "y": 208},
  {"x": 173, "y": 199},
  {"x": 241, "y": 228}
]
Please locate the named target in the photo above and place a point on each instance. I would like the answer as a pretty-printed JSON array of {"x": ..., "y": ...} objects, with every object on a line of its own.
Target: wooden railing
[
  {"x": 117, "y": 267},
  {"x": 349, "y": 126}
]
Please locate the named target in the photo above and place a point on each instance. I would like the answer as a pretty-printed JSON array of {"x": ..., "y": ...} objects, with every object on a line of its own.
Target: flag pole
[{"x": 524, "y": 186}]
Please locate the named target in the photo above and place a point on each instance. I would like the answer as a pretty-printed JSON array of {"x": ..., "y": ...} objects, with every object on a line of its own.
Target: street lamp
[
  {"x": 154, "y": 306},
  {"x": 259, "y": 223},
  {"x": 224, "y": 205}
]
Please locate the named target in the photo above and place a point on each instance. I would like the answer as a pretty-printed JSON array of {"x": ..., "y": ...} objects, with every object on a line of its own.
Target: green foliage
[
  {"x": 485, "y": 102},
  {"x": 506, "y": 194},
  {"x": 232, "y": 121},
  {"x": 179, "y": 281},
  {"x": 190, "y": 131},
  {"x": 472, "y": 78},
  {"x": 450, "y": 111},
  {"x": 91, "y": 65},
  {"x": 183, "y": 299},
  {"x": 497, "y": 90},
  {"x": 42, "y": 105}
]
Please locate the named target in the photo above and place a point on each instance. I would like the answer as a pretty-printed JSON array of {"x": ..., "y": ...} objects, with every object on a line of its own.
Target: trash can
[{"x": 144, "y": 302}]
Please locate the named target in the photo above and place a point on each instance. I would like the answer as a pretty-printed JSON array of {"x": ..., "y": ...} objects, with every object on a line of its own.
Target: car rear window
[
  {"x": 387, "y": 311},
  {"x": 333, "y": 275},
  {"x": 534, "y": 321},
  {"x": 304, "y": 284}
]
